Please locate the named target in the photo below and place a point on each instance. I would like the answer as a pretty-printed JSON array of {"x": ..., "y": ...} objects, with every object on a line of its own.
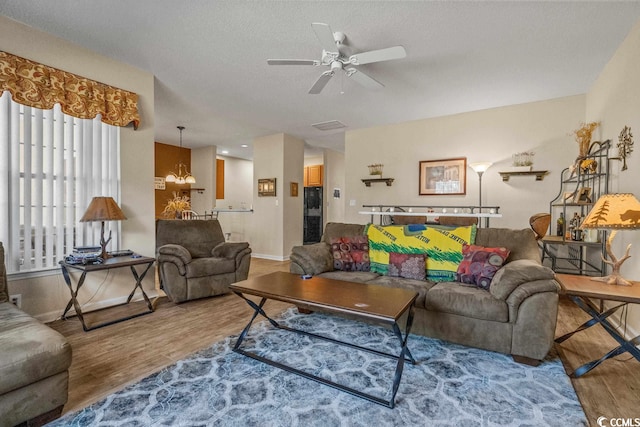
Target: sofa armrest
[
  {"x": 517, "y": 273},
  {"x": 174, "y": 254},
  {"x": 229, "y": 249},
  {"x": 311, "y": 259}
]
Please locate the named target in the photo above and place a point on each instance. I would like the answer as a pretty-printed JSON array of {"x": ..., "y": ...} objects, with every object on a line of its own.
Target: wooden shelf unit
[
  {"x": 369, "y": 181},
  {"x": 538, "y": 174}
]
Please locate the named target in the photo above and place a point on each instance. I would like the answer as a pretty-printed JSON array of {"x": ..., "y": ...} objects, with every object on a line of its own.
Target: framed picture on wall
[
  {"x": 267, "y": 187},
  {"x": 294, "y": 189},
  {"x": 447, "y": 176}
]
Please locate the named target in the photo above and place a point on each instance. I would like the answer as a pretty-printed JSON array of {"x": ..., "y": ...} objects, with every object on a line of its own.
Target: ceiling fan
[{"x": 335, "y": 55}]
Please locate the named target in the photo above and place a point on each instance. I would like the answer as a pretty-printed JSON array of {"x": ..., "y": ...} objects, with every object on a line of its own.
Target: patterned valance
[{"x": 40, "y": 86}]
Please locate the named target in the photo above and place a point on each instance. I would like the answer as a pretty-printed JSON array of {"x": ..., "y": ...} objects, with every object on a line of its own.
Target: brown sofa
[
  {"x": 194, "y": 261},
  {"x": 516, "y": 316},
  {"x": 34, "y": 365}
]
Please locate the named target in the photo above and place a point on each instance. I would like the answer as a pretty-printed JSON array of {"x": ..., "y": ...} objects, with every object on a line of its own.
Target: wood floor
[{"x": 107, "y": 359}]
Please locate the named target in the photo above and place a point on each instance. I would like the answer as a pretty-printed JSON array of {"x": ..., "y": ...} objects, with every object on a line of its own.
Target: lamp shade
[
  {"x": 614, "y": 211},
  {"x": 103, "y": 209},
  {"x": 480, "y": 167}
]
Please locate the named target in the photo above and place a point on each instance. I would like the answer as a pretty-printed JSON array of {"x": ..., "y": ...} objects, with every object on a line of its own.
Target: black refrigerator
[{"x": 312, "y": 215}]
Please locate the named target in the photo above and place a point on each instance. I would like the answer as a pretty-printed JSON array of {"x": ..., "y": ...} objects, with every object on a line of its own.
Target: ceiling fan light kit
[{"x": 336, "y": 55}]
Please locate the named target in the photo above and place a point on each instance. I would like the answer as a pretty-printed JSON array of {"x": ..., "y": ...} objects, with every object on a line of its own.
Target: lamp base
[{"x": 613, "y": 279}]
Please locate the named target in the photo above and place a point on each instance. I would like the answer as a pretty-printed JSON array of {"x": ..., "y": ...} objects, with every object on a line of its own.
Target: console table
[
  {"x": 108, "y": 264},
  {"x": 581, "y": 289}
]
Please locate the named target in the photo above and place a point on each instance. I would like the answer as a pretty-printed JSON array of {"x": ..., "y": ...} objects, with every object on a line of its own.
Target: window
[{"x": 51, "y": 165}]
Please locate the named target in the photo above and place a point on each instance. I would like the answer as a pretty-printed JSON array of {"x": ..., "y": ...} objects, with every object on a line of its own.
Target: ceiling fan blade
[
  {"x": 321, "y": 82},
  {"x": 292, "y": 62},
  {"x": 325, "y": 37},
  {"x": 363, "y": 79},
  {"x": 396, "y": 52}
]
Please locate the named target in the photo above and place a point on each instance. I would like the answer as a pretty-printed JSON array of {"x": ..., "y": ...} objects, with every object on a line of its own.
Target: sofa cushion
[
  {"x": 465, "y": 300},
  {"x": 197, "y": 237},
  {"x": 442, "y": 244},
  {"x": 333, "y": 230},
  {"x": 522, "y": 244},
  {"x": 200, "y": 267},
  {"x": 409, "y": 266},
  {"x": 350, "y": 253},
  {"x": 419, "y": 286},
  {"x": 479, "y": 265},
  {"x": 29, "y": 350}
]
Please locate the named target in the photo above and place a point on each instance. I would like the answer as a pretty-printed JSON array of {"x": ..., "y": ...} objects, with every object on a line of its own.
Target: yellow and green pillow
[{"x": 441, "y": 244}]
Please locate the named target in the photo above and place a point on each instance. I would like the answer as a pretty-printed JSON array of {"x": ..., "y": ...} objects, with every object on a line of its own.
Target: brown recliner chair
[{"x": 194, "y": 261}]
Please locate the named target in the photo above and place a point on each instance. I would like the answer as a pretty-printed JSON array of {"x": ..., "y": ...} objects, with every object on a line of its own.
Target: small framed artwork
[
  {"x": 294, "y": 189},
  {"x": 568, "y": 196},
  {"x": 447, "y": 176},
  {"x": 583, "y": 195},
  {"x": 267, "y": 187}
]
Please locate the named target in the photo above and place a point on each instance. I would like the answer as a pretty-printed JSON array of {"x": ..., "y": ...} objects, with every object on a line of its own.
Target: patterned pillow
[
  {"x": 350, "y": 253},
  {"x": 480, "y": 264},
  {"x": 409, "y": 266}
]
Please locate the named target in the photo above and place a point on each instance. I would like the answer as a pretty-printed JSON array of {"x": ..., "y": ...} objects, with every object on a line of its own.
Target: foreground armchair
[
  {"x": 194, "y": 261},
  {"x": 34, "y": 365}
]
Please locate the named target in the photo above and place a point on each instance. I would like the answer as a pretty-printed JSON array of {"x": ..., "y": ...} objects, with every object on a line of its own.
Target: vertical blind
[{"x": 51, "y": 165}]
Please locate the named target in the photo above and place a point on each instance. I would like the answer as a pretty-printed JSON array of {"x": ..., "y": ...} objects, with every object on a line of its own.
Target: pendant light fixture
[{"x": 187, "y": 178}]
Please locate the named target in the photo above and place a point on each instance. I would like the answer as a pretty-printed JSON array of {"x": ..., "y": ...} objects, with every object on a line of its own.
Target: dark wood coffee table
[{"x": 374, "y": 303}]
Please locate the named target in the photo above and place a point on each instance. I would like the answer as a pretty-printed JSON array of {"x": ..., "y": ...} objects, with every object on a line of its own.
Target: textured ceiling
[{"x": 209, "y": 58}]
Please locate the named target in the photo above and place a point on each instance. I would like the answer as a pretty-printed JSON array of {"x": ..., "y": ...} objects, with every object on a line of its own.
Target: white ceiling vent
[{"x": 330, "y": 125}]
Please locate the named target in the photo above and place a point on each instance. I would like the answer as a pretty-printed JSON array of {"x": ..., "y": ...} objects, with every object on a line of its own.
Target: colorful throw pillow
[
  {"x": 441, "y": 244},
  {"x": 480, "y": 264},
  {"x": 350, "y": 253},
  {"x": 409, "y": 266}
]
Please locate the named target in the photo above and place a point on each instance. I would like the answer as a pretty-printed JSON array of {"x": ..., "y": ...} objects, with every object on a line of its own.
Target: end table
[
  {"x": 108, "y": 264},
  {"x": 581, "y": 289}
]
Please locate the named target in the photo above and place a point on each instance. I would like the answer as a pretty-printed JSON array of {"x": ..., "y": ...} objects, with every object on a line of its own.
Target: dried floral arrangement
[
  {"x": 375, "y": 169},
  {"x": 583, "y": 137},
  {"x": 176, "y": 205},
  {"x": 524, "y": 158}
]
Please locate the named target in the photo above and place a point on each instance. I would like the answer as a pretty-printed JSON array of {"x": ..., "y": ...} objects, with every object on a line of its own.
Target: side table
[
  {"x": 581, "y": 289},
  {"x": 108, "y": 264}
]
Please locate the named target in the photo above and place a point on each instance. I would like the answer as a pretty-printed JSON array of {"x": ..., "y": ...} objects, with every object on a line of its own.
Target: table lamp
[
  {"x": 103, "y": 209},
  {"x": 614, "y": 212}
]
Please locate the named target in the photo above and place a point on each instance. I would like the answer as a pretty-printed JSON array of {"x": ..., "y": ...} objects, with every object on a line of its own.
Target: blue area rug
[{"x": 451, "y": 385}]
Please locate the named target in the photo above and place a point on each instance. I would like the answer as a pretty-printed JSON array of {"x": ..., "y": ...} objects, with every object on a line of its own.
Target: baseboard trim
[
  {"x": 55, "y": 315},
  {"x": 270, "y": 257}
]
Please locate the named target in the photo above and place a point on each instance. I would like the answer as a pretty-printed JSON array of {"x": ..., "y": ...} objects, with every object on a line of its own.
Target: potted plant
[{"x": 176, "y": 205}]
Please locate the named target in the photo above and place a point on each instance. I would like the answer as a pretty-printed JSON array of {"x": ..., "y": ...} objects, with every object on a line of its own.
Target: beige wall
[
  {"x": 46, "y": 297},
  {"x": 293, "y": 206},
  {"x": 334, "y": 178},
  {"x": 238, "y": 192},
  {"x": 203, "y": 168},
  {"x": 614, "y": 101},
  {"x": 488, "y": 135}
]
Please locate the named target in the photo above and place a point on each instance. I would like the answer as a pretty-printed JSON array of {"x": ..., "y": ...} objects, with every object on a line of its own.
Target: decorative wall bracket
[
  {"x": 538, "y": 174},
  {"x": 387, "y": 181}
]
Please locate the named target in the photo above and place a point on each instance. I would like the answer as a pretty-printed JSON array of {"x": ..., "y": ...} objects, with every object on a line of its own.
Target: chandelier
[{"x": 187, "y": 178}]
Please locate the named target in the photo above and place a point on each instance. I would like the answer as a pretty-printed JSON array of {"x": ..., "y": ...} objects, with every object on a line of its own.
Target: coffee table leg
[
  {"x": 257, "y": 310},
  {"x": 403, "y": 353}
]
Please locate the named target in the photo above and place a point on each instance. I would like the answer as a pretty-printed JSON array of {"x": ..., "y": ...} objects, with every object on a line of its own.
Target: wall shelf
[
  {"x": 387, "y": 181},
  {"x": 538, "y": 174},
  {"x": 187, "y": 190}
]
